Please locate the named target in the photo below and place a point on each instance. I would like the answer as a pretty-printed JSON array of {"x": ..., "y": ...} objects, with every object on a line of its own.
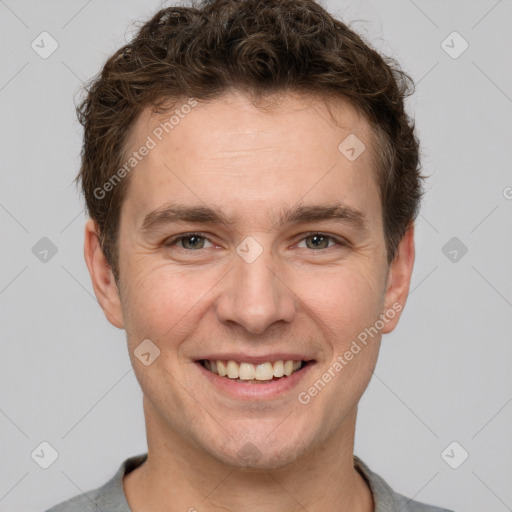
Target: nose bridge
[{"x": 255, "y": 297}]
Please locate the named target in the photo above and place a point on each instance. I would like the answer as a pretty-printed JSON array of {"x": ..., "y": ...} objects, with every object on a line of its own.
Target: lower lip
[{"x": 255, "y": 390}]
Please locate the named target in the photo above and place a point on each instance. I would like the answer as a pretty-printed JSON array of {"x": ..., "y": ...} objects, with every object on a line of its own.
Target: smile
[
  {"x": 249, "y": 377},
  {"x": 253, "y": 373}
]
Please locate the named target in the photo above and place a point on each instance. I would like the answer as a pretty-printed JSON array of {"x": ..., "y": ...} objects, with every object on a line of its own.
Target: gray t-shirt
[{"x": 110, "y": 497}]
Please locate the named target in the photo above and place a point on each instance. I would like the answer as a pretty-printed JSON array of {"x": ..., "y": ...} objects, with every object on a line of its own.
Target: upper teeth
[{"x": 248, "y": 371}]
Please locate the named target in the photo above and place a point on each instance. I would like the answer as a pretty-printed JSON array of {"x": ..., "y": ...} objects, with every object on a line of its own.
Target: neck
[{"x": 180, "y": 475}]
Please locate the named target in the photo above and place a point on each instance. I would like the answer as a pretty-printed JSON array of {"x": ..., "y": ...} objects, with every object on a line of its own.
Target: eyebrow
[{"x": 299, "y": 214}]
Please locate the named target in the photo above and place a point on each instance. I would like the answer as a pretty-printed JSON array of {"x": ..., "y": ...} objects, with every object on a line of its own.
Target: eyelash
[{"x": 337, "y": 241}]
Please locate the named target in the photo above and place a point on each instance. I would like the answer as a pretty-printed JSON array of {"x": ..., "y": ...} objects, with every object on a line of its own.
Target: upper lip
[{"x": 246, "y": 358}]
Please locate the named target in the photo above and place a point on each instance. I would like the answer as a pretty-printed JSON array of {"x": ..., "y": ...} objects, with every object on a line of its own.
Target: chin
[{"x": 265, "y": 452}]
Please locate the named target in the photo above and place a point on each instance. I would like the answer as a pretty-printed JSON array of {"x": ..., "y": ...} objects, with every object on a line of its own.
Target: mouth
[{"x": 248, "y": 373}]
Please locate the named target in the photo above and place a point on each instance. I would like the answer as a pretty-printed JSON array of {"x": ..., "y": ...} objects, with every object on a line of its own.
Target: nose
[{"x": 256, "y": 295}]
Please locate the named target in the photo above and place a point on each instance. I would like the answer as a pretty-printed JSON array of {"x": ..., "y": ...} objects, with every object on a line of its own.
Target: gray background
[{"x": 442, "y": 376}]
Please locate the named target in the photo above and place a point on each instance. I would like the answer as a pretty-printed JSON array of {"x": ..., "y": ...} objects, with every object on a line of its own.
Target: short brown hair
[{"x": 258, "y": 46}]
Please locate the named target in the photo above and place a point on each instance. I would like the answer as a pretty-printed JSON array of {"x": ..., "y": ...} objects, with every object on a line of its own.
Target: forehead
[
  {"x": 235, "y": 114},
  {"x": 273, "y": 154}
]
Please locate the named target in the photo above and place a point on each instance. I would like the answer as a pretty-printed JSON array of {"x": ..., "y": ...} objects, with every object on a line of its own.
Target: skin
[{"x": 294, "y": 297}]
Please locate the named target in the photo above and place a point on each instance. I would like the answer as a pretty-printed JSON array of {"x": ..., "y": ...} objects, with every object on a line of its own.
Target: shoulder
[
  {"x": 110, "y": 497},
  {"x": 386, "y": 499},
  {"x": 83, "y": 502},
  {"x": 408, "y": 505}
]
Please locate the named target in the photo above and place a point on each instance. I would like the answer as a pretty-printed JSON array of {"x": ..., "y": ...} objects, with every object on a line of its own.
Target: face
[{"x": 283, "y": 260}]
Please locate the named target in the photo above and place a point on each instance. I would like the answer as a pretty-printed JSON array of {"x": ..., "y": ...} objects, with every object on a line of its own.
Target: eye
[
  {"x": 321, "y": 241},
  {"x": 189, "y": 241},
  {"x": 196, "y": 241}
]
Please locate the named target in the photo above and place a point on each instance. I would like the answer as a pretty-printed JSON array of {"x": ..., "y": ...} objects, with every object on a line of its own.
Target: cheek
[
  {"x": 347, "y": 305},
  {"x": 162, "y": 303},
  {"x": 345, "y": 299}
]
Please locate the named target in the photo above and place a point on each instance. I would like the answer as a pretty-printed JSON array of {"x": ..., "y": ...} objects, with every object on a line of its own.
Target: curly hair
[{"x": 262, "y": 47}]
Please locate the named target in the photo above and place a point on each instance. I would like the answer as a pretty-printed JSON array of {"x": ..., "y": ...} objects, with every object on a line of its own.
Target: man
[{"x": 252, "y": 180}]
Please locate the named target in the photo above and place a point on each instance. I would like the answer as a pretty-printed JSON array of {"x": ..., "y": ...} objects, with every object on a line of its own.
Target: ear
[
  {"x": 399, "y": 280},
  {"x": 102, "y": 278}
]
